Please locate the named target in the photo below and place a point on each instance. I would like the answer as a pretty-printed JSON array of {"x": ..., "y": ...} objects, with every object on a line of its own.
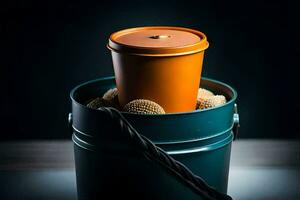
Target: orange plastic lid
[{"x": 158, "y": 41}]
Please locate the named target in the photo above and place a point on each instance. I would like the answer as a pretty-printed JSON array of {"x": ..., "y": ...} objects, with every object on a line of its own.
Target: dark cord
[{"x": 154, "y": 153}]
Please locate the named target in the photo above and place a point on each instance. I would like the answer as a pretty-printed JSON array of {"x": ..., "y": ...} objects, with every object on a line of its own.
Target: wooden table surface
[{"x": 259, "y": 170}]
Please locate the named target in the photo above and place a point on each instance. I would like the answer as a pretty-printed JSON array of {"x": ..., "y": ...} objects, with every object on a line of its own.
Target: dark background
[{"x": 48, "y": 47}]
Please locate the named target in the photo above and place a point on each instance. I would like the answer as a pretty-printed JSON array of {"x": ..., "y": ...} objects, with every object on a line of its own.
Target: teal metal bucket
[{"x": 106, "y": 164}]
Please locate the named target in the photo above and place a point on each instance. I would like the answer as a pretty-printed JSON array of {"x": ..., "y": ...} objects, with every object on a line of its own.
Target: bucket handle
[
  {"x": 70, "y": 123},
  {"x": 236, "y": 122}
]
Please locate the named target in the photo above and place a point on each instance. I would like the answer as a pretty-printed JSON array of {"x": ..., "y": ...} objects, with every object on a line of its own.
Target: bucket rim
[{"x": 232, "y": 100}]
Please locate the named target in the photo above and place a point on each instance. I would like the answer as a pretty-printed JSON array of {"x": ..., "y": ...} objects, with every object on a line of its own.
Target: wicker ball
[
  {"x": 97, "y": 102},
  {"x": 143, "y": 106},
  {"x": 204, "y": 93},
  {"x": 110, "y": 94},
  {"x": 210, "y": 102}
]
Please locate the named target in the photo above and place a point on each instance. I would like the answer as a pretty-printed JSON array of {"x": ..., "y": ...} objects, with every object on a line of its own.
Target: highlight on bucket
[{"x": 157, "y": 129}]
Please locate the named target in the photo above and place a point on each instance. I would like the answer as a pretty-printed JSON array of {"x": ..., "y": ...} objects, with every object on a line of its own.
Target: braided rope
[{"x": 158, "y": 155}]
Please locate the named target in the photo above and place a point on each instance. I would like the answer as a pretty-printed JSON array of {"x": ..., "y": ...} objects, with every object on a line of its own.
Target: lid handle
[{"x": 159, "y": 36}]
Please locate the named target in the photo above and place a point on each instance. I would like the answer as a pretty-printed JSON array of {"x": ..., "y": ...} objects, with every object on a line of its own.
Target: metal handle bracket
[{"x": 236, "y": 122}]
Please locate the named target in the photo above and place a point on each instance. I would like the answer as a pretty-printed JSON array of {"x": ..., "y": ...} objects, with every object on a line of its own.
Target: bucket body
[
  {"x": 106, "y": 163},
  {"x": 163, "y": 70}
]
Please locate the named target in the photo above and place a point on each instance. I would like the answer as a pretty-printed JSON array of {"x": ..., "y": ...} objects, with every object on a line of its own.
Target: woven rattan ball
[
  {"x": 143, "y": 106},
  {"x": 210, "y": 102},
  {"x": 110, "y": 94},
  {"x": 204, "y": 93},
  {"x": 97, "y": 102}
]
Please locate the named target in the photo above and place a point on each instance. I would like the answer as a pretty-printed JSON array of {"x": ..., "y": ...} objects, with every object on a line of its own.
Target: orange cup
[{"x": 160, "y": 63}]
